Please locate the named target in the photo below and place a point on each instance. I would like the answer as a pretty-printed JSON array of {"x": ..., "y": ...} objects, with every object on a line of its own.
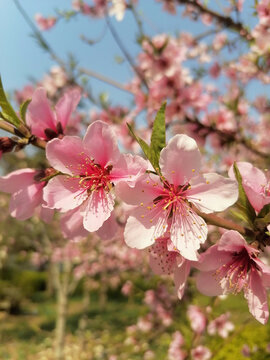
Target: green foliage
[
  {"x": 245, "y": 208},
  {"x": 23, "y": 108},
  {"x": 158, "y": 138},
  {"x": 145, "y": 148},
  {"x": 8, "y": 112}
]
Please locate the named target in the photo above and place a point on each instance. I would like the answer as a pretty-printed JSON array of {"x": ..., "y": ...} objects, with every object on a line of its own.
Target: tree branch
[{"x": 226, "y": 21}]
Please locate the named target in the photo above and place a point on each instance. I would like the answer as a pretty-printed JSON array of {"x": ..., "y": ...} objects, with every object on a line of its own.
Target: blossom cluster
[{"x": 88, "y": 178}]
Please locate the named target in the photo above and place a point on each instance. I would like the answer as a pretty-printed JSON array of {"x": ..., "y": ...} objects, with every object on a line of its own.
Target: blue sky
[{"x": 22, "y": 59}]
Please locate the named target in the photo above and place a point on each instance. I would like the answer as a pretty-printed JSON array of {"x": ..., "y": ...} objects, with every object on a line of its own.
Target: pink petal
[
  {"x": 129, "y": 169},
  {"x": 66, "y": 154},
  {"x": 46, "y": 214},
  {"x": 97, "y": 209},
  {"x": 23, "y": 203},
  {"x": 72, "y": 225},
  {"x": 232, "y": 241},
  {"x": 101, "y": 144},
  {"x": 140, "y": 232},
  {"x": 161, "y": 260},
  {"x": 257, "y": 298},
  {"x": 188, "y": 232},
  {"x": 66, "y": 105},
  {"x": 143, "y": 193},
  {"x": 17, "y": 180},
  {"x": 180, "y": 277},
  {"x": 63, "y": 193},
  {"x": 254, "y": 176},
  {"x": 39, "y": 115},
  {"x": 253, "y": 180},
  {"x": 216, "y": 193},
  {"x": 256, "y": 198},
  {"x": 208, "y": 285},
  {"x": 180, "y": 160},
  {"x": 109, "y": 228},
  {"x": 213, "y": 259}
]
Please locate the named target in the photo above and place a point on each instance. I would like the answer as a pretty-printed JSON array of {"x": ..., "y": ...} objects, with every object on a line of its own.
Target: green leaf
[
  {"x": 263, "y": 218},
  {"x": 265, "y": 210},
  {"x": 158, "y": 137},
  {"x": 7, "y": 110},
  {"x": 151, "y": 156},
  {"x": 23, "y": 108},
  {"x": 240, "y": 215},
  {"x": 243, "y": 202}
]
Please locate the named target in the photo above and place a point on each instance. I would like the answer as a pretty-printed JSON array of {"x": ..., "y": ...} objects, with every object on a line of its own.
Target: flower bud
[{"x": 6, "y": 144}]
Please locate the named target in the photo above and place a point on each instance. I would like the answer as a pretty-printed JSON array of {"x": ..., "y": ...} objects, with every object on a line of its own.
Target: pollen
[
  {"x": 193, "y": 170},
  {"x": 142, "y": 216},
  {"x": 173, "y": 171},
  {"x": 141, "y": 203},
  {"x": 207, "y": 182},
  {"x": 147, "y": 181}
]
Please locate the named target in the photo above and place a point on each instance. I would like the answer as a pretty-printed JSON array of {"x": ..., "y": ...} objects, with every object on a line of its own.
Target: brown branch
[
  {"x": 104, "y": 79},
  {"x": 226, "y": 137},
  {"x": 212, "y": 219},
  {"x": 28, "y": 140},
  {"x": 226, "y": 21}
]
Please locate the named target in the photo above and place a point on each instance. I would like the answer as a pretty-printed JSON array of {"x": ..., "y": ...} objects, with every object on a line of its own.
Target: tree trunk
[{"x": 62, "y": 307}]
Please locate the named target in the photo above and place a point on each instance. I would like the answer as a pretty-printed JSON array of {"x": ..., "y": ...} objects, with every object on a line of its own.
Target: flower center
[
  {"x": 234, "y": 275},
  {"x": 93, "y": 176},
  {"x": 172, "y": 198}
]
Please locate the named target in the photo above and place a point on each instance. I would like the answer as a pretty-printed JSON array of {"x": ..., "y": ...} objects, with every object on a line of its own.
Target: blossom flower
[
  {"x": 255, "y": 183},
  {"x": 201, "y": 353},
  {"x": 45, "y": 23},
  {"x": 231, "y": 266},
  {"x": 197, "y": 319},
  {"x": 91, "y": 168},
  {"x": 118, "y": 9},
  {"x": 26, "y": 189},
  {"x": 172, "y": 199},
  {"x": 175, "y": 351},
  {"x": 46, "y": 123},
  {"x": 166, "y": 259},
  {"x": 221, "y": 326}
]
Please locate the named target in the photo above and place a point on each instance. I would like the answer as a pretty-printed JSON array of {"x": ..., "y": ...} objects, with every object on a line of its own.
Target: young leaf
[
  {"x": 158, "y": 138},
  {"x": 243, "y": 202},
  {"x": 23, "y": 108},
  {"x": 151, "y": 156},
  {"x": 7, "y": 110},
  {"x": 265, "y": 211}
]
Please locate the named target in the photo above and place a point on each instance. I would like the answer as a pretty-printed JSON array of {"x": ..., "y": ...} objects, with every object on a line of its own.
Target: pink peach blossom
[
  {"x": 201, "y": 353},
  {"x": 91, "y": 168},
  {"x": 171, "y": 197},
  {"x": 166, "y": 259},
  {"x": 221, "y": 326},
  {"x": 26, "y": 191},
  {"x": 197, "y": 319},
  {"x": 45, "y": 23},
  {"x": 255, "y": 184},
  {"x": 175, "y": 351},
  {"x": 46, "y": 123},
  {"x": 231, "y": 266}
]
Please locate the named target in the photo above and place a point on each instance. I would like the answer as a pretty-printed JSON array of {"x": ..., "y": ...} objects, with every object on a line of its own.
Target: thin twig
[
  {"x": 104, "y": 79},
  {"x": 38, "y": 34},
  {"x": 227, "y": 137},
  {"x": 125, "y": 52},
  {"x": 34, "y": 141},
  {"x": 226, "y": 21}
]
